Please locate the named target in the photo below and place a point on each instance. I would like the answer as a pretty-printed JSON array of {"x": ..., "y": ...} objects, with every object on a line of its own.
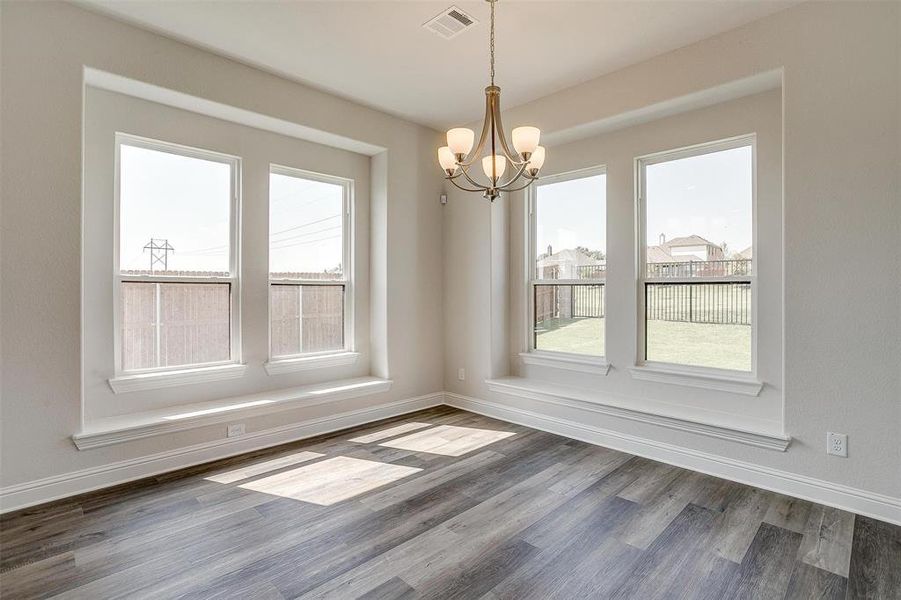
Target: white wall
[
  {"x": 842, "y": 222},
  {"x": 45, "y": 48}
]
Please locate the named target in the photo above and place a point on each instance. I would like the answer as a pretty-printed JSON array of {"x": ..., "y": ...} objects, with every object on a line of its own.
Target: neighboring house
[
  {"x": 684, "y": 249},
  {"x": 565, "y": 263},
  {"x": 746, "y": 254}
]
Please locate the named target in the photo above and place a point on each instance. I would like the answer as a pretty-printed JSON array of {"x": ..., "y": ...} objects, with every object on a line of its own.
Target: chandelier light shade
[{"x": 525, "y": 158}]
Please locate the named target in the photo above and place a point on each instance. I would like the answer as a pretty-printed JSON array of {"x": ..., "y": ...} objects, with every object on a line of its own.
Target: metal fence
[
  {"x": 700, "y": 268},
  {"x": 591, "y": 271},
  {"x": 570, "y": 301},
  {"x": 721, "y": 303}
]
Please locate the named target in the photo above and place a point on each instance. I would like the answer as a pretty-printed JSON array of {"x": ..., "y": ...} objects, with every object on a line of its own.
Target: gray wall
[
  {"x": 841, "y": 222},
  {"x": 45, "y": 47}
]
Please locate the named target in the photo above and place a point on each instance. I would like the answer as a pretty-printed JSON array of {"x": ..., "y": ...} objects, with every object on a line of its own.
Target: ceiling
[{"x": 377, "y": 53}]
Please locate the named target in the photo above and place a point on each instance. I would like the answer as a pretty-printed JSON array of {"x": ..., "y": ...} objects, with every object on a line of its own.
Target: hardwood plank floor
[{"x": 443, "y": 504}]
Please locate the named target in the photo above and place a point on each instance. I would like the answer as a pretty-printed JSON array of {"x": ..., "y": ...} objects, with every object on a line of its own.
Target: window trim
[
  {"x": 676, "y": 373},
  {"x": 165, "y": 376},
  {"x": 276, "y": 365},
  {"x": 590, "y": 363}
]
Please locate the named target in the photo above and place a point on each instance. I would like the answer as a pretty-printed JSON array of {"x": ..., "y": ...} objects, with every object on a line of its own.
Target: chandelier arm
[
  {"x": 515, "y": 178},
  {"x": 477, "y": 151},
  {"x": 496, "y": 116},
  {"x": 531, "y": 180},
  {"x": 465, "y": 189},
  {"x": 465, "y": 173}
]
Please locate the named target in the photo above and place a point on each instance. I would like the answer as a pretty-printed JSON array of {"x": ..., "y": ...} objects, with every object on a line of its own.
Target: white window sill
[
  {"x": 164, "y": 379},
  {"x": 735, "y": 384},
  {"x": 583, "y": 364},
  {"x": 739, "y": 429},
  {"x": 306, "y": 363},
  {"x": 125, "y": 428}
]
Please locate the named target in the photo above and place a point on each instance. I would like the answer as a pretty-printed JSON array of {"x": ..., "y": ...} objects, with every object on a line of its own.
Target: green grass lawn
[
  {"x": 698, "y": 344},
  {"x": 579, "y": 336}
]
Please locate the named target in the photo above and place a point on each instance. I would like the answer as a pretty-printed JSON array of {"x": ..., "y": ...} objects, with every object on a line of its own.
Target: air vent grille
[{"x": 450, "y": 23}]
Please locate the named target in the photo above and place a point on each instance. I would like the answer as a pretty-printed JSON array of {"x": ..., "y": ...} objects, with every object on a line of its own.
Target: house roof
[
  {"x": 690, "y": 240},
  {"x": 569, "y": 255},
  {"x": 661, "y": 254}
]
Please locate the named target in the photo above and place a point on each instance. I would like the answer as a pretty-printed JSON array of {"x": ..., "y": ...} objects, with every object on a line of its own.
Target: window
[
  {"x": 309, "y": 263},
  {"x": 697, "y": 256},
  {"x": 568, "y": 263},
  {"x": 176, "y": 265}
]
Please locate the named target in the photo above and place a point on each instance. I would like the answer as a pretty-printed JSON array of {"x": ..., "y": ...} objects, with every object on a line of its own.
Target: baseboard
[
  {"x": 70, "y": 484},
  {"x": 871, "y": 504},
  {"x": 879, "y": 506}
]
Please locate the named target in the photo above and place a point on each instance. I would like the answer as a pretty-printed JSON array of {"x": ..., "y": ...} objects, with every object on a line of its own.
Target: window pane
[
  {"x": 570, "y": 318},
  {"x": 305, "y": 228},
  {"x": 174, "y": 213},
  {"x": 704, "y": 325},
  {"x": 174, "y": 324},
  {"x": 194, "y": 323},
  {"x": 306, "y": 318},
  {"x": 699, "y": 223},
  {"x": 571, "y": 228},
  {"x": 139, "y": 350},
  {"x": 699, "y": 215}
]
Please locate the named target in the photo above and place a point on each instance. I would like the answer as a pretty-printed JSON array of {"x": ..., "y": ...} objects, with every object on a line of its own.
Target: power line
[
  {"x": 300, "y": 235},
  {"x": 303, "y": 225},
  {"x": 304, "y": 243},
  {"x": 159, "y": 252}
]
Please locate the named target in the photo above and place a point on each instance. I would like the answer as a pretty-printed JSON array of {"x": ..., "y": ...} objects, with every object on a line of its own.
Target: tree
[{"x": 596, "y": 254}]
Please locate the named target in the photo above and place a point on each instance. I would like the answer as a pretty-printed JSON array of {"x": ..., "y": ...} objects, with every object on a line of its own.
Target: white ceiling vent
[{"x": 450, "y": 23}]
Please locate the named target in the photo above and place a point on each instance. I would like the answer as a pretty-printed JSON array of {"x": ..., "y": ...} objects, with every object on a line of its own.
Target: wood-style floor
[{"x": 444, "y": 504}]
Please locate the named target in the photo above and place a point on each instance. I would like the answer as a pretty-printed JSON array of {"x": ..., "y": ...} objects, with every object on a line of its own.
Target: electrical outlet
[
  {"x": 461, "y": 374},
  {"x": 235, "y": 430},
  {"x": 837, "y": 444}
]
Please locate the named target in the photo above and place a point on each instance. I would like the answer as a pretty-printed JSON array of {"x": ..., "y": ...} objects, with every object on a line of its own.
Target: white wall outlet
[
  {"x": 235, "y": 430},
  {"x": 461, "y": 374},
  {"x": 837, "y": 444}
]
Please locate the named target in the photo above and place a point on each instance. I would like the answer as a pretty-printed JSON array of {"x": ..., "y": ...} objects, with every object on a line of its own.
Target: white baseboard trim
[
  {"x": 871, "y": 504},
  {"x": 70, "y": 484},
  {"x": 879, "y": 506},
  {"x": 575, "y": 398}
]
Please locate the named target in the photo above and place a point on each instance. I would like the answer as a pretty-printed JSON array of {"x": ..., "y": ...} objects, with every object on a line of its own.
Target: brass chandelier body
[{"x": 525, "y": 157}]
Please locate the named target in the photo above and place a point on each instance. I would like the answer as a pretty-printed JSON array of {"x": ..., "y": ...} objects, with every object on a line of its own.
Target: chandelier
[{"x": 459, "y": 155}]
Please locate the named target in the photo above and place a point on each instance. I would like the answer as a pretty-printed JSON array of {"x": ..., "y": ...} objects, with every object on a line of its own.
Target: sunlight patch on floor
[
  {"x": 449, "y": 440},
  {"x": 248, "y": 471},
  {"x": 330, "y": 481},
  {"x": 390, "y": 432}
]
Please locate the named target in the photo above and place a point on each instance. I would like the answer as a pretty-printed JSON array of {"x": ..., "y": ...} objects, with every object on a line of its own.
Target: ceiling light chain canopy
[{"x": 526, "y": 158}]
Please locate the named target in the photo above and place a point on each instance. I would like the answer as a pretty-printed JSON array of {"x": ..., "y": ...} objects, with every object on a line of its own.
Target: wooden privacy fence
[
  {"x": 170, "y": 324},
  {"x": 306, "y": 318}
]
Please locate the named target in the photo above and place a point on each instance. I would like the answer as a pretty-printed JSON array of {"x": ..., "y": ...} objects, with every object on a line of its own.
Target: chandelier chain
[{"x": 491, "y": 51}]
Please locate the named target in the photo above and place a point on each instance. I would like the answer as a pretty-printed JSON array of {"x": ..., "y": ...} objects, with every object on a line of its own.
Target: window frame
[
  {"x": 592, "y": 363},
  {"x": 233, "y": 278},
  {"x": 642, "y": 280},
  {"x": 346, "y": 354}
]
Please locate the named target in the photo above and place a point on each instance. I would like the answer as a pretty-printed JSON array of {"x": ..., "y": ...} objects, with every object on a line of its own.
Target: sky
[
  {"x": 186, "y": 201},
  {"x": 708, "y": 195},
  {"x": 305, "y": 225},
  {"x": 558, "y": 202},
  {"x": 180, "y": 199}
]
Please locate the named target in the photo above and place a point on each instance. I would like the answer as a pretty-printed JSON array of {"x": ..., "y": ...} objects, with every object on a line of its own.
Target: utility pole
[{"x": 159, "y": 253}]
